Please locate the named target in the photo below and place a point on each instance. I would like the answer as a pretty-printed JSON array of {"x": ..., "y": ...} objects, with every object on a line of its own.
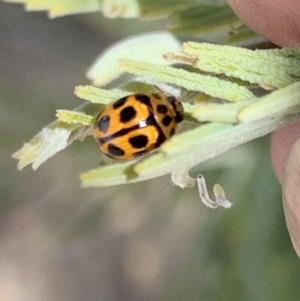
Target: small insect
[{"x": 137, "y": 124}]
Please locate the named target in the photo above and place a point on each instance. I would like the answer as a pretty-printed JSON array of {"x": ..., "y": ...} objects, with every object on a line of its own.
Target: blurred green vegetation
[{"x": 147, "y": 241}]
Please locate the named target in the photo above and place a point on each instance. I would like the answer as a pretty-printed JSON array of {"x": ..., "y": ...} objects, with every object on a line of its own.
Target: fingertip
[
  {"x": 281, "y": 142},
  {"x": 291, "y": 195},
  {"x": 276, "y": 20}
]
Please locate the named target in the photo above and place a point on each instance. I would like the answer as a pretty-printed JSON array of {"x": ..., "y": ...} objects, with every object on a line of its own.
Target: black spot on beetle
[
  {"x": 162, "y": 109},
  {"x": 115, "y": 151},
  {"x": 103, "y": 123},
  {"x": 127, "y": 114},
  {"x": 119, "y": 103},
  {"x": 119, "y": 133},
  {"x": 171, "y": 99},
  {"x": 160, "y": 139},
  {"x": 179, "y": 117},
  {"x": 143, "y": 99},
  {"x": 139, "y": 141},
  {"x": 179, "y": 112},
  {"x": 172, "y": 132},
  {"x": 167, "y": 120},
  {"x": 177, "y": 107}
]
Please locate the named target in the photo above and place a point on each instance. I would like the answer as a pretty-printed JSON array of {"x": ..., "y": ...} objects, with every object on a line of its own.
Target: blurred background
[{"x": 145, "y": 241}]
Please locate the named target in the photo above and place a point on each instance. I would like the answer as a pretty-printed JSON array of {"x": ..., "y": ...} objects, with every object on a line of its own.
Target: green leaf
[
  {"x": 267, "y": 68},
  {"x": 52, "y": 139},
  {"x": 240, "y": 34},
  {"x": 147, "y": 47},
  {"x": 202, "y": 18},
  {"x": 184, "y": 151},
  {"x": 58, "y": 8},
  {"x": 192, "y": 81},
  {"x": 158, "y": 8}
]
